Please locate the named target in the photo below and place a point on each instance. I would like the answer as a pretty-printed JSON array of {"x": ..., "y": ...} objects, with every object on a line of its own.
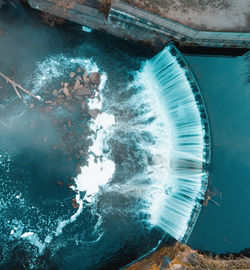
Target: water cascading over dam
[{"x": 176, "y": 207}]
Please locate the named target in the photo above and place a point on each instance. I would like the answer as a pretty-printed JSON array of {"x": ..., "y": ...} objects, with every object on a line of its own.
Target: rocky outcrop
[{"x": 182, "y": 257}]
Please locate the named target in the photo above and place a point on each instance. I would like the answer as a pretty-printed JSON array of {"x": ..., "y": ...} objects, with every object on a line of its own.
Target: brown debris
[
  {"x": 17, "y": 87},
  {"x": 83, "y": 91},
  {"x": 78, "y": 77},
  {"x": 93, "y": 113},
  {"x": 75, "y": 205},
  {"x": 77, "y": 84},
  {"x": 66, "y": 91},
  {"x": 72, "y": 74},
  {"x": 95, "y": 78}
]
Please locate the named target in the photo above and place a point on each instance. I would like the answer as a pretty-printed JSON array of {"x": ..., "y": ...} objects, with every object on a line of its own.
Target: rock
[
  {"x": 78, "y": 168},
  {"x": 80, "y": 98},
  {"x": 75, "y": 205},
  {"x": 78, "y": 77},
  {"x": 72, "y": 74},
  {"x": 87, "y": 81},
  {"x": 59, "y": 183},
  {"x": 69, "y": 124},
  {"x": 77, "y": 84},
  {"x": 66, "y": 91},
  {"x": 54, "y": 92},
  {"x": 93, "y": 113},
  {"x": 79, "y": 70},
  {"x": 83, "y": 91},
  {"x": 85, "y": 75},
  {"x": 66, "y": 84},
  {"x": 83, "y": 105},
  {"x": 95, "y": 78},
  {"x": 48, "y": 102},
  {"x": 62, "y": 83}
]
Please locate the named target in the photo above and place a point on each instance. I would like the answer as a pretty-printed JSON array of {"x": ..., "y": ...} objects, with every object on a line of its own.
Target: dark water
[{"x": 226, "y": 90}]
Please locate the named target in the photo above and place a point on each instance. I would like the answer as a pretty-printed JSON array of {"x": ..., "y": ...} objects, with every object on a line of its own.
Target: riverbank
[
  {"x": 130, "y": 22},
  {"x": 182, "y": 257}
]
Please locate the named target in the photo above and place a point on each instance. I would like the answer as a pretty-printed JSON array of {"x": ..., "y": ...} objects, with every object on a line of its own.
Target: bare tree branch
[{"x": 18, "y": 86}]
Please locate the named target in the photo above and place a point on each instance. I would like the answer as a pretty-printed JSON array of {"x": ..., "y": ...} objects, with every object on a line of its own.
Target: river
[{"x": 31, "y": 51}]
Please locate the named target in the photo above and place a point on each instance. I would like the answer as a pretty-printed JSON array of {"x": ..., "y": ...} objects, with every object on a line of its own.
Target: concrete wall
[
  {"x": 129, "y": 22},
  {"x": 123, "y": 15}
]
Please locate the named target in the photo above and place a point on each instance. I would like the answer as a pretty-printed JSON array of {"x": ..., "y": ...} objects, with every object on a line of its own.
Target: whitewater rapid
[{"x": 146, "y": 162}]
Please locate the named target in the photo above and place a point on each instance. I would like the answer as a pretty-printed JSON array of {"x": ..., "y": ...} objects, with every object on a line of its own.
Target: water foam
[
  {"x": 100, "y": 168},
  {"x": 41, "y": 235},
  {"x": 182, "y": 190}
]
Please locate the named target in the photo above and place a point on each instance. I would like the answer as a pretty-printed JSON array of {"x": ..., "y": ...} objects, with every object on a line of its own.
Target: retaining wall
[{"x": 129, "y": 22}]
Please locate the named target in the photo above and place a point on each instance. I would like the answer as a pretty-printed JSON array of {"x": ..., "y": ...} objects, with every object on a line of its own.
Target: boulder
[
  {"x": 85, "y": 75},
  {"x": 66, "y": 91},
  {"x": 83, "y": 105},
  {"x": 95, "y": 78},
  {"x": 83, "y": 91},
  {"x": 77, "y": 84},
  {"x": 78, "y": 77},
  {"x": 72, "y": 74},
  {"x": 93, "y": 113}
]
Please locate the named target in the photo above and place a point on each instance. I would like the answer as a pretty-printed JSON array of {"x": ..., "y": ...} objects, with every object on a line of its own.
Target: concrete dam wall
[{"x": 129, "y": 22}]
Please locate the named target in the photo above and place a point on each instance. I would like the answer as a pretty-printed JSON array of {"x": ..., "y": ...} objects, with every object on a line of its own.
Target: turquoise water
[
  {"x": 223, "y": 83},
  {"x": 226, "y": 90}
]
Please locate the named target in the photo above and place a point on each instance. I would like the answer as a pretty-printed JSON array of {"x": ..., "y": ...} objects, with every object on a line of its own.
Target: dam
[
  {"x": 118, "y": 165},
  {"x": 128, "y": 21}
]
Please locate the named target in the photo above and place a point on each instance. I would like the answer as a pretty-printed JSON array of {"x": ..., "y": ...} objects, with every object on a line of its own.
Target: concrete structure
[
  {"x": 129, "y": 22},
  {"x": 202, "y": 15}
]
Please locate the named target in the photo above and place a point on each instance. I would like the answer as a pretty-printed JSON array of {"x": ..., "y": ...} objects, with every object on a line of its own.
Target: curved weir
[{"x": 176, "y": 208}]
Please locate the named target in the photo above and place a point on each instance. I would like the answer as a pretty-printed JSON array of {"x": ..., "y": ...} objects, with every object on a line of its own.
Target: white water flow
[{"x": 175, "y": 207}]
